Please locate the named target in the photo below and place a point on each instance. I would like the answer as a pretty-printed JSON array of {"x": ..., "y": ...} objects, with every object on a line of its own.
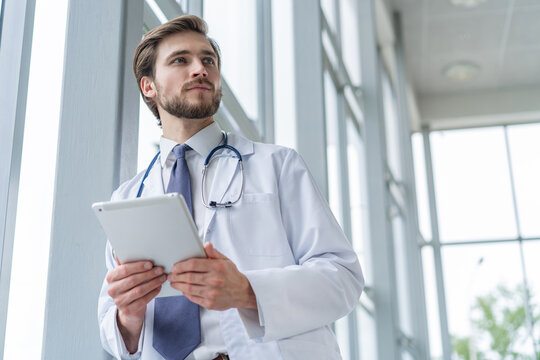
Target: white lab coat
[{"x": 283, "y": 237}]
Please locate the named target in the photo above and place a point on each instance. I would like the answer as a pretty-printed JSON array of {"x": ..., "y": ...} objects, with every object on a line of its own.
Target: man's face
[{"x": 187, "y": 79}]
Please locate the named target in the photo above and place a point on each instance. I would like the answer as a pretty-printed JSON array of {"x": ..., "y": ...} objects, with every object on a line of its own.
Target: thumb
[{"x": 212, "y": 253}]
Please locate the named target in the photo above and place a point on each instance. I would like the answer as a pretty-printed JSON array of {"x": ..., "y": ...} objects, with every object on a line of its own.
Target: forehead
[{"x": 188, "y": 40}]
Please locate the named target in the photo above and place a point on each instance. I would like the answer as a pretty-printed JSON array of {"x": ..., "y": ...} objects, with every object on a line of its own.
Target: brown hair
[{"x": 144, "y": 59}]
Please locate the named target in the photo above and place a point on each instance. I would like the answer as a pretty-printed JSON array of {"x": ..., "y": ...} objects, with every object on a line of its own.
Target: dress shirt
[{"x": 201, "y": 144}]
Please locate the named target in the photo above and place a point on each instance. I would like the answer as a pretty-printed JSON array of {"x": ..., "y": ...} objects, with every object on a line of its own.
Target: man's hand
[
  {"x": 132, "y": 286},
  {"x": 214, "y": 283}
]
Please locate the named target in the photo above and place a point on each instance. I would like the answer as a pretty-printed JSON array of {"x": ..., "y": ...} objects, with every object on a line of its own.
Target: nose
[{"x": 198, "y": 69}]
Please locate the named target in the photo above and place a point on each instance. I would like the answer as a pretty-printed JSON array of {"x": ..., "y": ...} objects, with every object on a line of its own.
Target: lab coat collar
[{"x": 244, "y": 146}]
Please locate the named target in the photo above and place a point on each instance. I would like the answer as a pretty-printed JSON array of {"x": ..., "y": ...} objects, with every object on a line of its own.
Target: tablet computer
[{"x": 159, "y": 229}]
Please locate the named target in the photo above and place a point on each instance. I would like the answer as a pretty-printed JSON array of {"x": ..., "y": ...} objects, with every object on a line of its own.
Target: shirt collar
[{"x": 202, "y": 142}]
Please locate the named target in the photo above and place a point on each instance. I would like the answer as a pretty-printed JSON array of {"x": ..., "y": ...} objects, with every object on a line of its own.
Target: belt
[{"x": 222, "y": 357}]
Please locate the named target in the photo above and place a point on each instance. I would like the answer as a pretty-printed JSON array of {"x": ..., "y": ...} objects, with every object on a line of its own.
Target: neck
[{"x": 180, "y": 129}]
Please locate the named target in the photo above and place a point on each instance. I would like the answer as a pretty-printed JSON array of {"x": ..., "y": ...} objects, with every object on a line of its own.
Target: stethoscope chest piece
[{"x": 216, "y": 204}]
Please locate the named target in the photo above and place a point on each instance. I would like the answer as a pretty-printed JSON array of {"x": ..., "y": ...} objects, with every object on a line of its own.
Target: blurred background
[{"x": 419, "y": 120}]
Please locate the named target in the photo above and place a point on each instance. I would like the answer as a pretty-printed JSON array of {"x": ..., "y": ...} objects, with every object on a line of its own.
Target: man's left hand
[{"x": 213, "y": 283}]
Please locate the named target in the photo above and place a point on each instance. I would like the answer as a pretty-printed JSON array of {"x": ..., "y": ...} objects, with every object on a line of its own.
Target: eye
[
  {"x": 179, "y": 60},
  {"x": 209, "y": 61}
]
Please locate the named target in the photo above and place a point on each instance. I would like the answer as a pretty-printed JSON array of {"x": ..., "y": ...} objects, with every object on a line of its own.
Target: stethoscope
[{"x": 212, "y": 204}]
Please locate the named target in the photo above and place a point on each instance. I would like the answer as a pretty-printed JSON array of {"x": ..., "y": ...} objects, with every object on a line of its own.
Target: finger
[
  {"x": 189, "y": 289},
  {"x": 207, "y": 303},
  {"x": 194, "y": 278},
  {"x": 124, "y": 285},
  {"x": 140, "y": 303},
  {"x": 140, "y": 291},
  {"x": 212, "y": 253},
  {"x": 128, "y": 269},
  {"x": 191, "y": 265}
]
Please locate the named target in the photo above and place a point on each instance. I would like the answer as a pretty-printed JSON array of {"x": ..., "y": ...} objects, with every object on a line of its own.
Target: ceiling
[{"x": 502, "y": 37}]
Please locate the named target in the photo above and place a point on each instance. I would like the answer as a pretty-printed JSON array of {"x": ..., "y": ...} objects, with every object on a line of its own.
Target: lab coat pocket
[{"x": 256, "y": 225}]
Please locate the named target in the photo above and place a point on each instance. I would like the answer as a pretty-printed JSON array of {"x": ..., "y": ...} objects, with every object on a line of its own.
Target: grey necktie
[{"x": 177, "y": 327}]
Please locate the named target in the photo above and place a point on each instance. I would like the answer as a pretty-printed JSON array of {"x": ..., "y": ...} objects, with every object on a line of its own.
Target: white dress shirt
[{"x": 201, "y": 144}]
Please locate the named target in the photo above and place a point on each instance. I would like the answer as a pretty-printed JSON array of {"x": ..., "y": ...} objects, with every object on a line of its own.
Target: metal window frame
[
  {"x": 340, "y": 77},
  {"x": 265, "y": 72},
  {"x": 435, "y": 243},
  {"x": 417, "y": 298},
  {"x": 17, "y": 26},
  {"x": 379, "y": 248}
]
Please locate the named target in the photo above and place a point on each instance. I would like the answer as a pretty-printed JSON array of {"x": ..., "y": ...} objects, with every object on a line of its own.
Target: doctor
[{"x": 279, "y": 269}]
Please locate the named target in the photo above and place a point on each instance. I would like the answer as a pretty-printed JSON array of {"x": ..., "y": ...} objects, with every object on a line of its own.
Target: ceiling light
[
  {"x": 467, "y": 3},
  {"x": 461, "y": 71}
]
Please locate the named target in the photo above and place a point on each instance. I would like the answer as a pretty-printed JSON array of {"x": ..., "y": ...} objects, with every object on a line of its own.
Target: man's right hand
[{"x": 132, "y": 286}]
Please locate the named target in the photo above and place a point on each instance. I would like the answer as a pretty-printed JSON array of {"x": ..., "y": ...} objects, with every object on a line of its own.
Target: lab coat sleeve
[
  {"x": 325, "y": 283},
  {"x": 111, "y": 339}
]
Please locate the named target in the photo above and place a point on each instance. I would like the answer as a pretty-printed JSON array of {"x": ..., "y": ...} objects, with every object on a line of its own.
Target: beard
[{"x": 180, "y": 107}]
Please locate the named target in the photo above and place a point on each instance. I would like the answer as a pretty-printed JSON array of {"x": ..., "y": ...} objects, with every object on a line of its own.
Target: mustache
[{"x": 198, "y": 82}]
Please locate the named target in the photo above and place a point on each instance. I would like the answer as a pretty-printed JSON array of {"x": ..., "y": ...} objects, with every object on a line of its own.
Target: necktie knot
[{"x": 180, "y": 150}]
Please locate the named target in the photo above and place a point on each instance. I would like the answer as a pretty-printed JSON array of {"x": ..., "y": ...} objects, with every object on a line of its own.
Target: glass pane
[
  {"x": 525, "y": 155},
  {"x": 283, "y": 61},
  {"x": 350, "y": 41},
  {"x": 420, "y": 177},
  {"x": 328, "y": 7},
  {"x": 332, "y": 151},
  {"x": 149, "y": 135},
  {"x": 531, "y": 251},
  {"x": 472, "y": 184},
  {"x": 402, "y": 280},
  {"x": 391, "y": 125},
  {"x": 368, "y": 331},
  {"x": 485, "y": 304},
  {"x": 432, "y": 305},
  {"x": 357, "y": 189},
  {"x": 233, "y": 25},
  {"x": 28, "y": 286}
]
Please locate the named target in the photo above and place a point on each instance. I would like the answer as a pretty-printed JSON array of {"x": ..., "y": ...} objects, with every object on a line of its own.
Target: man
[{"x": 278, "y": 270}]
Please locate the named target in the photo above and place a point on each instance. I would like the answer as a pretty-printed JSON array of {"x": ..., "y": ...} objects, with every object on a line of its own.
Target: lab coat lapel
[{"x": 153, "y": 185}]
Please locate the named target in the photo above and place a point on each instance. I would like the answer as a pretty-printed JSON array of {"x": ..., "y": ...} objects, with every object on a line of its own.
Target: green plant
[{"x": 500, "y": 320}]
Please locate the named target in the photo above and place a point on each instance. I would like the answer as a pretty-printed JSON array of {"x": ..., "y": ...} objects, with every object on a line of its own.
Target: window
[
  {"x": 28, "y": 285},
  {"x": 472, "y": 183},
  {"x": 233, "y": 25},
  {"x": 485, "y": 183}
]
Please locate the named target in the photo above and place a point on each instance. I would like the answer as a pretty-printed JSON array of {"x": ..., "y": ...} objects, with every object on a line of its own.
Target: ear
[{"x": 148, "y": 87}]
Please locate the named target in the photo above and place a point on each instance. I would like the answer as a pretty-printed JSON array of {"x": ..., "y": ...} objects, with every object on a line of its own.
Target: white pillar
[
  {"x": 309, "y": 90},
  {"x": 97, "y": 146},
  {"x": 379, "y": 265}
]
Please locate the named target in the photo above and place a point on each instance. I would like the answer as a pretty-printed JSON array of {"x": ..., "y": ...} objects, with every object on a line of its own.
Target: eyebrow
[{"x": 187, "y": 52}]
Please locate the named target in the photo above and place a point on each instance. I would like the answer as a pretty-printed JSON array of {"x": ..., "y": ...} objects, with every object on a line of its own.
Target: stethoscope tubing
[{"x": 207, "y": 161}]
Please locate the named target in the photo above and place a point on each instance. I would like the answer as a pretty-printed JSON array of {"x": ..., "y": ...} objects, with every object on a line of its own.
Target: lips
[{"x": 199, "y": 85}]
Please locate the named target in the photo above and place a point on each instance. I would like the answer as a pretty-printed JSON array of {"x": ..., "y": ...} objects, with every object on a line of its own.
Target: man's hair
[{"x": 144, "y": 60}]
